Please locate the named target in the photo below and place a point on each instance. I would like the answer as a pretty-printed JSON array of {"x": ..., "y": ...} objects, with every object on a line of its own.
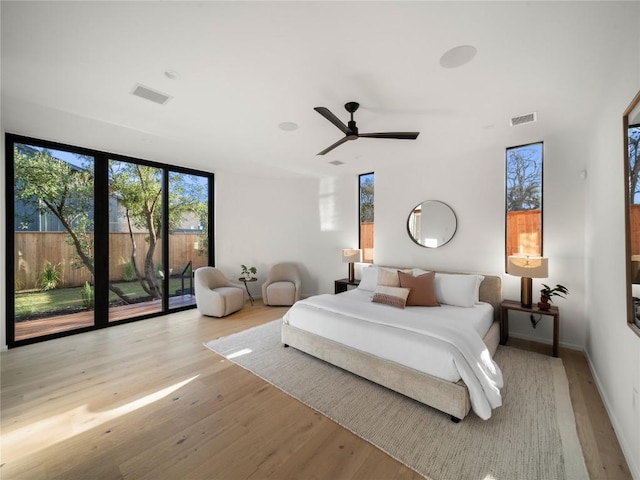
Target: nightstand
[
  {"x": 507, "y": 305},
  {"x": 343, "y": 284}
]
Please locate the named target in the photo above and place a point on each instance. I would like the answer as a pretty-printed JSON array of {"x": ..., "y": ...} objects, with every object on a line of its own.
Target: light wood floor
[{"x": 147, "y": 401}]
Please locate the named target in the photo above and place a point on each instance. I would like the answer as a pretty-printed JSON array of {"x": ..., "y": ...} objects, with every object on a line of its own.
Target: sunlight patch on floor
[
  {"x": 44, "y": 433},
  {"x": 239, "y": 353}
]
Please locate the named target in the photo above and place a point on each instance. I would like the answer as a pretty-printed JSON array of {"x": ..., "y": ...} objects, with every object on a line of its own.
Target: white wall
[
  {"x": 264, "y": 221},
  {"x": 473, "y": 187},
  {"x": 612, "y": 348}
]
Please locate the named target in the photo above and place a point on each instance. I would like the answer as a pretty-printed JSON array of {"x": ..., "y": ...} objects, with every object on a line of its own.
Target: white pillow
[
  {"x": 369, "y": 280},
  {"x": 458, "y": 290},
  {"x": 388, "y": 277}
]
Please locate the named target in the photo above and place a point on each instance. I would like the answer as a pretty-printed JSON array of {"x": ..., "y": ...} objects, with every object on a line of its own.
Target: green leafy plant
[
  {"x": 50, "y": 276},
  {"x": 547, "y": 292},
  {"x": 87, "y": 294},
  {"x": 128, "y": 272},
  {"x": 248, "y": 272}
]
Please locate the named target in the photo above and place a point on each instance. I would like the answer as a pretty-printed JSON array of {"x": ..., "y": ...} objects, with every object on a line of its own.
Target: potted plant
[
  {"x": 248, "y": 272},
  {"x": 547, "y": 292}
]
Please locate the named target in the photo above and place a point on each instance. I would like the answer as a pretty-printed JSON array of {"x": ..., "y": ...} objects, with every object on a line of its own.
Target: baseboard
[
  {"x": 545, "y": 341},
  {"x": 629, "y": 456}
]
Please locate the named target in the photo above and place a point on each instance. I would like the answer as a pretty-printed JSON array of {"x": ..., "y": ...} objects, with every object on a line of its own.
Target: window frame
[
  {"x": 360, "y": 222},
  {"x": 506, "y": 201},
  {"x": 101, "y": 232}
]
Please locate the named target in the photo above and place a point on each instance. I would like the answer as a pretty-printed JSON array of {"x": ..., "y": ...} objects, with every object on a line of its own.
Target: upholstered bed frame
[{"x": 451, "y": 398}]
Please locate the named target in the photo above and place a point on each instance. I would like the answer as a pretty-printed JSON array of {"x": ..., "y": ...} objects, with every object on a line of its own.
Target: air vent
[
  {"x": 336, "y": 163},
  {"x": 522, "y": 119},
  {"x": 150, "y": 94}
]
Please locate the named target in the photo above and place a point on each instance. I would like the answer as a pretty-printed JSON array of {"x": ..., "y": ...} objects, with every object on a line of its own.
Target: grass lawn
[{"x": 68, "y": 300}]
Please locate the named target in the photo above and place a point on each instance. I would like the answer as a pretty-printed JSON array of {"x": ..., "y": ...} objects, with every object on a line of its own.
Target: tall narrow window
[
  {"x": 366, "y": 216},
  {"x": 524, "y": 200},
  {"x": 633, "y": 141}
]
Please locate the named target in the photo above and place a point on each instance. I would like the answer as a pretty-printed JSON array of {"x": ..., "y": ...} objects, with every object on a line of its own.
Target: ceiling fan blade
[
  {"x": 397, "y": 135},
  {"x": 326, "y": 113},
  {"x": 337, "y": 144}
]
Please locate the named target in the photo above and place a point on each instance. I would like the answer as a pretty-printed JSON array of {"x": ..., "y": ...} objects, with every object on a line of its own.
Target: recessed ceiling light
[
  {"x": 458, "y": 56},
  {"x": 171, "y": 74},
  {"x": 288, "y": 126}
]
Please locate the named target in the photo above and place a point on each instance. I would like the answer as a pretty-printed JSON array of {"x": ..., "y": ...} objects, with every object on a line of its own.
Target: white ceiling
[{"x": 245, "y": 67}]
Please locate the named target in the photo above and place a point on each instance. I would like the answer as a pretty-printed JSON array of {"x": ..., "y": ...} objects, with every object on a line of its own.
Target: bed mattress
[{"x": 393, "y": 340}]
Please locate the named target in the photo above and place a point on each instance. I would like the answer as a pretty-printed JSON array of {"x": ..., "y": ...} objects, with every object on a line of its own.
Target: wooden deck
[{"x": 73, "y": 321}]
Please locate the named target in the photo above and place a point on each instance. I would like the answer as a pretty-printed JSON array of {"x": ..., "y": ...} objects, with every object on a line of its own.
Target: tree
[
  {"x": 50, "y": 184},
  {"x": 366, "y": 198},
  {"x": 139, "y": 189},
  {"x": 524, "y": 180}
]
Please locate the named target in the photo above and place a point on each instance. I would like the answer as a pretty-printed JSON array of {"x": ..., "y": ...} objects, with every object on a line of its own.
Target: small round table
[{"x": 245, "y": 280}]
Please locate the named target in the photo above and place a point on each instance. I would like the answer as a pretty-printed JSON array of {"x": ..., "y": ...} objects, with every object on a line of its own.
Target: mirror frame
[
  {"x": 625, "y": 128},
  {"x": 455, "y": 226}
]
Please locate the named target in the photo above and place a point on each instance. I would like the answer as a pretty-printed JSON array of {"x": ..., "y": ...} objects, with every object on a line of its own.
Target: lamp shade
[
  {"x": 529, "y": 267},
  {"x": 350, "y": 255}
]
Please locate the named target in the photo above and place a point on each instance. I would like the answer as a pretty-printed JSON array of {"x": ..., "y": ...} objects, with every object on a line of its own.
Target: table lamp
[
  {"x": 350, "y": 255},
  {"x": 527, "y": 267}
]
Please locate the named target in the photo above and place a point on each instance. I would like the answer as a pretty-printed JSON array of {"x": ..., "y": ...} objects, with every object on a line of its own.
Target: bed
[{"x": 440, "y": 356}]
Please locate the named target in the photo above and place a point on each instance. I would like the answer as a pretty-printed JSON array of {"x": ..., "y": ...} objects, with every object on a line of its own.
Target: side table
[
  {"x": 245, "y": 281},
  {"x": 507, "y": 305},
  {"x": 342, "y": 284}
]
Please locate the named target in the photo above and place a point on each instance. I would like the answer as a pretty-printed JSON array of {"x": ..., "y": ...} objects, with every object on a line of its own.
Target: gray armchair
[
  {"x": 216, "y": 296},
  {"x": 282, "y": 286}
]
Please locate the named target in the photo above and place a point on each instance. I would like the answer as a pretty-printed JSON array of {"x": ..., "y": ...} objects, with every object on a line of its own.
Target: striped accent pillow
[{"x": 394, "y": 296}]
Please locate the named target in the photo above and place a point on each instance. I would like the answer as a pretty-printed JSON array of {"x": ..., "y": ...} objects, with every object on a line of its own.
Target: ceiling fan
[{"x": 351, "y": 131}]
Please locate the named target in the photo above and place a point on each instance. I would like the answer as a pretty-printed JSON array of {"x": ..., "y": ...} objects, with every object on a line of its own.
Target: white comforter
[{"x": 470, "y": 355}]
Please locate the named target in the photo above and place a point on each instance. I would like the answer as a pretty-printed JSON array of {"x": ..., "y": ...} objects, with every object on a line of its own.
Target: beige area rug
[{"x": 532, "y": 436}]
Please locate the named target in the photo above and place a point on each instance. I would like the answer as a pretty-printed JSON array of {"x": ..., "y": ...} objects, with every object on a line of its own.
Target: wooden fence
[
  {"x": 366, "y": 241},
  {"x": 35, "y": 249},
  {"x": 634, "y": 227},
  {"x": 523, "y": 232}
]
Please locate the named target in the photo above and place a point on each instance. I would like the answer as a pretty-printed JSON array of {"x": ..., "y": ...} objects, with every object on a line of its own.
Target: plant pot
[{"x": 544, "y": 305}]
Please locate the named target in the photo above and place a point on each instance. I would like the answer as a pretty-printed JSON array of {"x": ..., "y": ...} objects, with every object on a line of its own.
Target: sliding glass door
[
  {"x": 99, "y": 239},
  {"x": 136, "y": 269},
  {"x": 53, "y": 245},
  {"x": 188, "y": 234}
]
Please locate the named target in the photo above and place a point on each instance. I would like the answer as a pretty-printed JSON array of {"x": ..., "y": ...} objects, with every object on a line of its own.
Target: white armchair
[
  {"x": 282, "y": 286},
  {"x": 216, "y": 296}
]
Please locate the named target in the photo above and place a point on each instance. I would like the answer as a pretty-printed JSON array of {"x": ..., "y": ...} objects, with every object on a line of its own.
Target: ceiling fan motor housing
[{"x": 351, "y": 106}]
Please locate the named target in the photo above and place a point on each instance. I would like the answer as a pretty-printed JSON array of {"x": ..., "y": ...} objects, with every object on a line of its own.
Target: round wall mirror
[{"x": 431, "y": 224}]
